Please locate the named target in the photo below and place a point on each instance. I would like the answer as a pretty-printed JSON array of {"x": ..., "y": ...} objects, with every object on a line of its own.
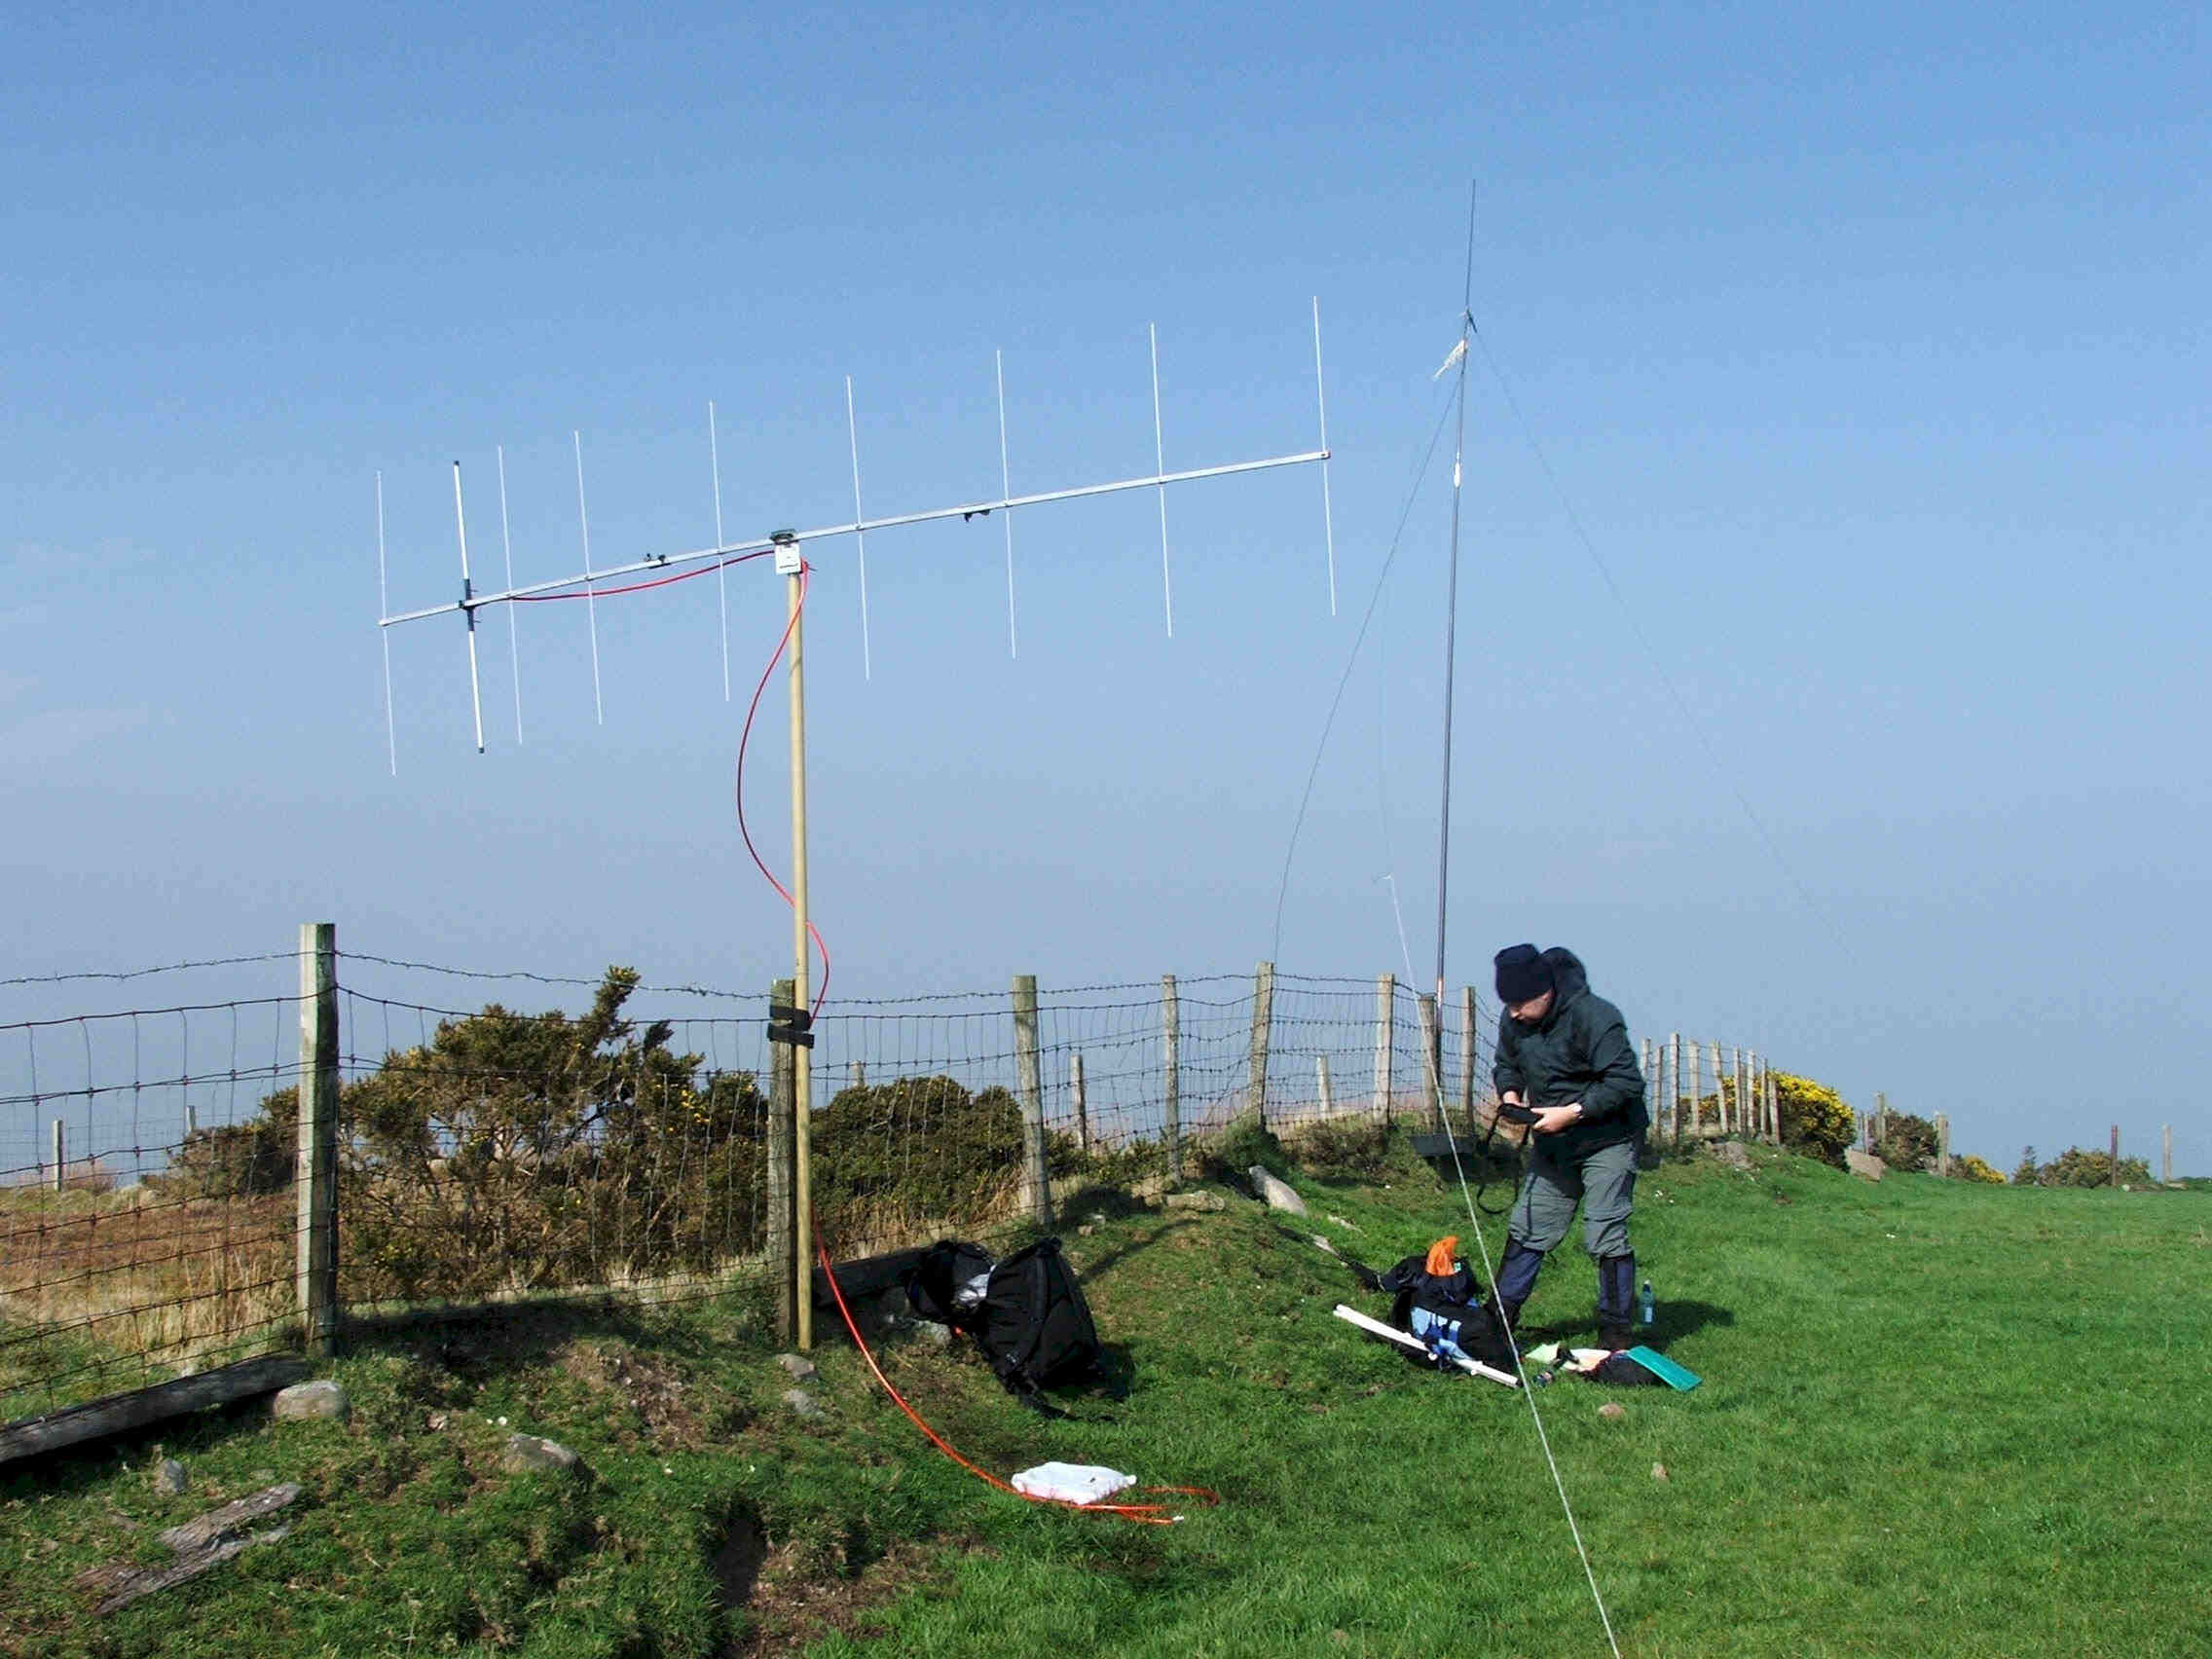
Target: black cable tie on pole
[{"x": 790, "y": 1024}]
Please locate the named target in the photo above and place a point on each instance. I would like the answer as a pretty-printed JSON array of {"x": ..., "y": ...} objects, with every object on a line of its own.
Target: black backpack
[
  {"x": 1032, "y": 1322},
  {"x": 1452, "y": 1298}
]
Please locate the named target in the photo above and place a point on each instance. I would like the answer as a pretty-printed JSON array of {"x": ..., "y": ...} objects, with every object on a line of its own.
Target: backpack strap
[{"x": 1019, "y": 1358}]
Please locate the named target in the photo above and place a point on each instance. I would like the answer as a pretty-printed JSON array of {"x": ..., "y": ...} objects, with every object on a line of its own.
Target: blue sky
[{"x": 1865, "y": 346}]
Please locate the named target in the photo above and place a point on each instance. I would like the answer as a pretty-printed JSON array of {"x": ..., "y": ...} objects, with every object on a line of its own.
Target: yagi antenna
[{"x": 725, "y": 551}]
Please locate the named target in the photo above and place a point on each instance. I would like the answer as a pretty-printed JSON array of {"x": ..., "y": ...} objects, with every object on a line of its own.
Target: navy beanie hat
[{"x": 1522, "y": 975}]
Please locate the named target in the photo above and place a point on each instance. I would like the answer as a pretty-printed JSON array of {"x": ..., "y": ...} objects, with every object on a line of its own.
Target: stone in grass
[
  {"x": 1199, "y": 1201},
  {"x": 526, "y": 1452},
  {"x": 170, "y": 1479},
  {"x": 1277, "y": 1194},
  {"x": 1864, "y": 1164},
  {"x": 1612, "y": 1411},
  {"x": 318, "y": 1399},
  {"x": 801, "y": 1403},
  {"x": 801, "y": 1368},
  {"x": 1659, "y": 1472}
]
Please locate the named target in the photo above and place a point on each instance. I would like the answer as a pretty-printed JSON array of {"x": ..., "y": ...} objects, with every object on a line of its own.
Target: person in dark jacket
[{"x": 1563, "y": 1053}]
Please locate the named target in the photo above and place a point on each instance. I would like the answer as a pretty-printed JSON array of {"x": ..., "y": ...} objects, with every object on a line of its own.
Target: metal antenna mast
[
  {"x": 1459, "y": 356},
  {"x": 790, "y": 560}
]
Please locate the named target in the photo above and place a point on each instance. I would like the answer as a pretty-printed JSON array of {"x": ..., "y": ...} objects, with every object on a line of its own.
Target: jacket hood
[{"x": 1570, "y": 978}]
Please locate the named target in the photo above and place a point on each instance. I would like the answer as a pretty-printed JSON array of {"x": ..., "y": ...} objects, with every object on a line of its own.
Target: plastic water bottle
[{"x": 1644, "y": 1307}]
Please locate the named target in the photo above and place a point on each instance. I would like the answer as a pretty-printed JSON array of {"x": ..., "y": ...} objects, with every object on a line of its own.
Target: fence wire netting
[
  {"x": 134, "y": 1241},
  {"x": 618, "y": 1137}
]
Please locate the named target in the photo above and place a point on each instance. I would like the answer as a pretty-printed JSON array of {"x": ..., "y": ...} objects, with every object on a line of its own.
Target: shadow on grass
[{"x": 476, "y": 1343}]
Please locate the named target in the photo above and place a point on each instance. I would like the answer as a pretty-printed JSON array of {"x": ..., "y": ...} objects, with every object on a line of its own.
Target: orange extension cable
[{"x": 1140, "y": 1514}]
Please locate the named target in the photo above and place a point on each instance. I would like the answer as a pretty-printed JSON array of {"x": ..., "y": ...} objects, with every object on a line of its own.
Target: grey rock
[
  {"x": 168, "y": 1478},
  {"x": 1864, "y": 1164},
  {"x": 801, "y": 1403},
  {"x": 1153, "y": 1189},
  {"x": 318, "y": 1399},
  {"x": 1277, "y": 1194},
  {"x": 1612, "y": 1411},
  {"x": 1731, "y": 1152},
  {"x": 1200, "y": 1201},
  {"x": 940, "y": 1336},
  {"x": 528, "y": 1452},
  {"x": 801, "y": 1368}
]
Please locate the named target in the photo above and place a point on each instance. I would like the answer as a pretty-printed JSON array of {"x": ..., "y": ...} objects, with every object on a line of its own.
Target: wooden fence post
[
  {"x": 1082, "y": 1109},
  {"x": 1321, "y": 1085},
  {"x": 317, "y": 1180},
  {"x": 782, "y": 1175},
  {"x": 1881, "y": 1121},
  {"x": 1431, "y": 1058},
  {"x": 860, "y": 1074},
  {"x": 1650, "y": 1081},
  {"x": 1942, "y": 1144},
  {"x": 2114, "y": 1156},
  {"x": 1262, "y": 1024},
  {"x": 60, "y": 1155},
  {"x": 1469, "y": 1035},
  {"x": 1029, "y": 1081},
  {"x": 1674, "y": 1065},
  {"x": 1171, "y": 1080},
  {"x": 1384, "y": 988},
  {"x": 2166, "y": 1156}
]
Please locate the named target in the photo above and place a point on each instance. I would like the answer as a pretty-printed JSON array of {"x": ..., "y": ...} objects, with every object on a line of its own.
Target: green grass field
[{"x": 1938, "y": 1418}]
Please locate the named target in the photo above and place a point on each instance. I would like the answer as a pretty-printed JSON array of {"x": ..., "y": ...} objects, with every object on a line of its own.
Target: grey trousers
[{"x": 1602, "y": 1181}]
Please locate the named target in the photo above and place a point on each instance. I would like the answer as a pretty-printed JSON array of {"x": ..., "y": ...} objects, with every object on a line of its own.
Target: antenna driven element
[
  {"x": 467, "y": 608},
  {"x": 591, "y": 600}
]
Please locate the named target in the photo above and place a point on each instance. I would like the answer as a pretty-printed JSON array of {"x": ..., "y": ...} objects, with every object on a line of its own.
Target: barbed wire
[{"x": 146, "y": 972}]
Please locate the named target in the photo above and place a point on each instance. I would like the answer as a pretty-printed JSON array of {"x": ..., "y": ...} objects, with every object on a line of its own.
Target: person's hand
[{"x": 1553, "y": 1119}]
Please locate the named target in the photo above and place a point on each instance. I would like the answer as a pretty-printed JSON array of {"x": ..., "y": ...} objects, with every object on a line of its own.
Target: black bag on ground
[
  {"x": 949, "y": 1282},
  {"x": 1035, "y": 1327},
  {"x": 1449, "y": 1306}
]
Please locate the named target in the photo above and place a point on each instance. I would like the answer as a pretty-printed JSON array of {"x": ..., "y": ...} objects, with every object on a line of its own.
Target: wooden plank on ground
[
  {"x": 197, "y": 1534},
  {"x": 117, "y": 1413}
]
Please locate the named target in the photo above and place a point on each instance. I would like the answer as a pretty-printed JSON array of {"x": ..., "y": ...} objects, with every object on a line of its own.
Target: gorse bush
[
  {"x": 239, "y": 1161},
  {"x": 529, "y": 1151},
  {"x": 518, "y": 1152},
  {"x": 1815, "y": 1121},
  {"x": 1972, "y": 1168},
  {"x": 2081, "y": 1167},
  {"x": 922, "y": 1147},
  {"x": 1907, "y": 1142}
]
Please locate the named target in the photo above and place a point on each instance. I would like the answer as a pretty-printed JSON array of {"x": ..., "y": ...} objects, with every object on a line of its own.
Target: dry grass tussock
[{"x": 143, "y": 1276}]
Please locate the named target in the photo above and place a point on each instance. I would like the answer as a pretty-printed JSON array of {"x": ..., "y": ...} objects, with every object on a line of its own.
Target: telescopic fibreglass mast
[{"x": 1458, "y": 358}]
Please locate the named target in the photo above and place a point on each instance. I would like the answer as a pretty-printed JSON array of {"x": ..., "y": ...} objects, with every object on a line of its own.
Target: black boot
[
  {"x": 1616, "y": 1297},
  {"x": 1516, "y": 1281}
]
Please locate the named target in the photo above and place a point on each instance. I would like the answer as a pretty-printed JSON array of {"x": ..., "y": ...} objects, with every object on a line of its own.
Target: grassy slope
[{"x": 1938, "y": 1418}]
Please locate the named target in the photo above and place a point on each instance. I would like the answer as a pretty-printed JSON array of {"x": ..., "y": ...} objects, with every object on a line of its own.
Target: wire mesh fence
[
  {"x": 632, "y": 1145},
  {"x": 135, "y": 1238}
]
